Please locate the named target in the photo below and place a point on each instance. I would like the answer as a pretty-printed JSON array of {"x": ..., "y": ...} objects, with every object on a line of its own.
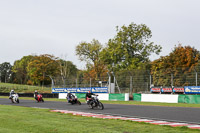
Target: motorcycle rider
[
  {"x": 88, "y": 97},
  {"x": 11, "y": 94},
  {"x": 70, "y": 96},
  {"x": 35, "y": 94}
]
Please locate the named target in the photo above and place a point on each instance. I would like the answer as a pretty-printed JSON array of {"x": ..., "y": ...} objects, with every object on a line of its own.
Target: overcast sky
[{"x": 57, "y": 26}]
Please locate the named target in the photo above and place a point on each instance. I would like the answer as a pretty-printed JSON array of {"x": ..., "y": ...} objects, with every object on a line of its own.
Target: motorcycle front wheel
[
  {"x": 90, "y": 106},
  {"x": 12, "y": 101},
  {"x": 79, "y": 103}
]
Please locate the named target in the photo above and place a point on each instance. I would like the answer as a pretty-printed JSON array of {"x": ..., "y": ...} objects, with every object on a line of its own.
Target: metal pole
[
  {"x": 131, "y": 84},
  {"x": 90, "y": 82},
  {"x": 150, "y": 81},
  {"x": 76, "y": 83},
  {"x": 109, "y": 84},
  {"x": 171, "y": 79},
  {"x": 196, "y": 78}
]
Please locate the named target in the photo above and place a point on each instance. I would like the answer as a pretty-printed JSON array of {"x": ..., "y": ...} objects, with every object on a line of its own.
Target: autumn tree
[
  {"x": 91, "y": 73},
  {"x": 180, "y": 64},
  {"x": 130, "y": 48},
  {"x": 42, "y": 67}
]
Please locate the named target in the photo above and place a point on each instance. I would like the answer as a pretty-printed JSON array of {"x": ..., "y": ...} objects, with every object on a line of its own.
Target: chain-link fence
[{"x": 137, "y": 80}]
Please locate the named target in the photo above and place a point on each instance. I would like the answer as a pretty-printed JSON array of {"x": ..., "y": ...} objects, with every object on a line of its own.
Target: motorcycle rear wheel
[{"x": 17, "y": 100}]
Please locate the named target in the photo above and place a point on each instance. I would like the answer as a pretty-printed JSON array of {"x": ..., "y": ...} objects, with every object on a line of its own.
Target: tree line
[{"x": 128, "y": 52}]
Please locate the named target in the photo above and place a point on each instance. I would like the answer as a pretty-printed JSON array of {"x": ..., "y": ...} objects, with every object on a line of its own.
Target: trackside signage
[
  {"x": 192, "y": 89},
  {"x": 166, "y": 89},
  {"x": 178, "y": 89},
  {"x": 155, "y": 89},
  {"x": 81, "y": 90}
]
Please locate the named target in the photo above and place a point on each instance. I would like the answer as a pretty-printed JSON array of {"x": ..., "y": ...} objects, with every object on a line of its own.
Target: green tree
[
  {"x": 90, "y": 53},
  {"x": 5, "y": 71},
  {"x": 20, "y": 69},
  {"x": 130, "y": 48}
]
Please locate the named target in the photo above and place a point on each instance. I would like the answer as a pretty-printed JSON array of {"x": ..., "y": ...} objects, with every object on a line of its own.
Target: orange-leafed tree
[
  {"x": 41, "y": 67},
  {"x": 97, "y": 73},
  {"x": 180, "y": 63}
]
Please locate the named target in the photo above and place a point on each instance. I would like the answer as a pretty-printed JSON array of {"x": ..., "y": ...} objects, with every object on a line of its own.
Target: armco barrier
[
  {"x": 136, "y": 96},
  {"x": 166, "y": 98},
  {"x": 117, "y": 97},
  {"x": 80, "y": 95},
  {"x": 194, "y": 99},
  {"x": 102, "y": 96},
  {"x": 64, "y": 95}
]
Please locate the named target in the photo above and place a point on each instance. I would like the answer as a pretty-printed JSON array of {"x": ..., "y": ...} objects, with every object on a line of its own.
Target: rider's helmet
[
  {"x": 89, "y": 91},
  {"x": 12, "y": 90},
  {"x": 35, "y": 90}
]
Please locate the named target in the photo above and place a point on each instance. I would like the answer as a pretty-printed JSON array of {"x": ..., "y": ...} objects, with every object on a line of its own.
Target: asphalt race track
[{"x": 174, "y": 114}]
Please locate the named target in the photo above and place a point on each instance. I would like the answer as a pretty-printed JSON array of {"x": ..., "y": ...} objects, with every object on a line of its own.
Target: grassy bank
[
  {"x": 6, "y": 87},
  {"x": 23, "y": 120}
]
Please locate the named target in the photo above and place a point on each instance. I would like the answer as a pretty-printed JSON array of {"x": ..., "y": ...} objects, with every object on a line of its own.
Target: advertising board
[
  {"x": 155, "y": 89},
  {"x": 81, "y": 90},
  {"x": 192, "y": 89},
  {"x": 166, "y": 89},
  {"x": 178, "y": 89}
]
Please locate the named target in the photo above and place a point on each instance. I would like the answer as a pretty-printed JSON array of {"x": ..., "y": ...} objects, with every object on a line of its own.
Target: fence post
[
  {"x": 196, "y": 78},
  {"x": 90, "y": 82},
  {"x": 150, "y": 81},
  {"x": 131, "y": 84},
  {"x": 76, "y": 83},
  {"x": 171, "y": 79}
]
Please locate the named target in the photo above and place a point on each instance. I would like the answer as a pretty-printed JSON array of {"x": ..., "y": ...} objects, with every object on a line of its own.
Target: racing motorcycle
[
  {"x": 39, "y": 98},
  {"x": 95, "y": 103},
  {"x": 74, "y": 100},
  {"x": 14, "y": 98}
]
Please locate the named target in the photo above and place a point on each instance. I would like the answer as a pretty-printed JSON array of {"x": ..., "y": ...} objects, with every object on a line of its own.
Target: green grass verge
[
  {"x": 23, "y": 119},
  {"x": 6, "y": 87},
  {"x": 122, "y": 102}
]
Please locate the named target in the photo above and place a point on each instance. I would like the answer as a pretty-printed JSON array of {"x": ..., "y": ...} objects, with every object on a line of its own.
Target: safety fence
[{"x": 133, "y": 81}]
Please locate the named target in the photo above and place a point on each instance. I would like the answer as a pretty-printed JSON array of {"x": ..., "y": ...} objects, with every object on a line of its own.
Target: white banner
[{"x": 165, "y": 98}]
